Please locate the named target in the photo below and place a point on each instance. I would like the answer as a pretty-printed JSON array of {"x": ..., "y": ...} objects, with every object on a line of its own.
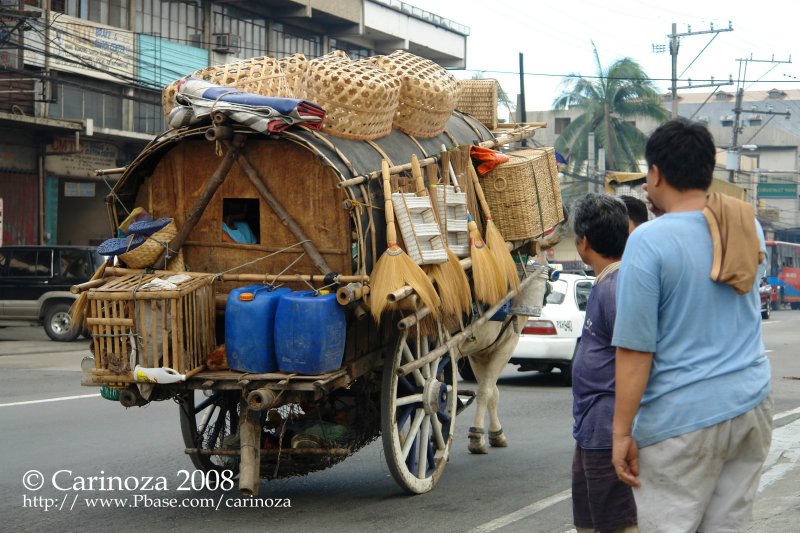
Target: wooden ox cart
[{"x": 314, "y": 203}]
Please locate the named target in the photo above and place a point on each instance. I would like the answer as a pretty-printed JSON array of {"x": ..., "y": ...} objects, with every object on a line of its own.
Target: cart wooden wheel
[
  {"x": 417, "y": 412},
  {"x": 211, "y": 422}
]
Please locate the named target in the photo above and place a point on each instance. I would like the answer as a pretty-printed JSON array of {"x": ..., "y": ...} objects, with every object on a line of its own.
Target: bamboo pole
[
  {"x": 81, "y": 287},
  {"x": 250, "y": 450},
  {"x": 317, "y": 278},
  {"x": 284, "y": 216},
  {"x": 199, "y": 207},
  {"x": 525, "y": 132}
]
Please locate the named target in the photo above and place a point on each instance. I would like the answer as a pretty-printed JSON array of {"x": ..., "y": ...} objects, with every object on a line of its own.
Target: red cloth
[{"x": 489, "y": 159}]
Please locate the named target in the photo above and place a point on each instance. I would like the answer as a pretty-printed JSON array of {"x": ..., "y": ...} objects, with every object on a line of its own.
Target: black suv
[{"x": 35, "y": 283}]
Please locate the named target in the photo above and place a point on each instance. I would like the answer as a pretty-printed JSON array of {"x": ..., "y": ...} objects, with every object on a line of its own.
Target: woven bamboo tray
[
  {"x": 428, "y": 95},
  {"x": 453, "y": 218},
  {"x": 524, "y": 194},
  {"x": 162, "y": 328},
  {"x": 478, "y": 98},
  {"x": 418, "y": 226},
  {"x": 359, "y": 99}
]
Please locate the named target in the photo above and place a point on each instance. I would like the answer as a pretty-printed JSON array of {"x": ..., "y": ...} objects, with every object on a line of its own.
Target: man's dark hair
[
  {"x": 684, "y": 152},
  {"x": 637, "y": 209},
  {"x": 603, "y": 220}
]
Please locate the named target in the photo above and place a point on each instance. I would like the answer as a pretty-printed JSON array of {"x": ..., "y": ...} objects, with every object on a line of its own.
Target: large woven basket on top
[
  {"x": 258, "y": 75},
  {"x": 293, "y": 67},
  {"x": 359, "y": 99},
  {"x": 146, "y": 253},
  {"x": 478, "y": 98},
  {"x": 524, "y": 194},
  {"x": 428, "y": 95}
]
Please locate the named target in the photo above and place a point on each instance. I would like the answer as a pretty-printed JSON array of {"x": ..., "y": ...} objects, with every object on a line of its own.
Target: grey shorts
[{"x": 705, "y": 480}]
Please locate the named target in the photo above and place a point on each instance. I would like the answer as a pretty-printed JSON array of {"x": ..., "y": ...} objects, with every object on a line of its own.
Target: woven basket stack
[
  {"x": 428, "y": 95},
  {"x": 479, "y": 99}
]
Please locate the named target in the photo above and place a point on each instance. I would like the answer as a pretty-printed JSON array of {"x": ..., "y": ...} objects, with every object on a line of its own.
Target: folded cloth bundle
[
  {"x": 488, "y": 159},
  {"x": 199, "y": 98},
  {"x": 737, "y": 253}
]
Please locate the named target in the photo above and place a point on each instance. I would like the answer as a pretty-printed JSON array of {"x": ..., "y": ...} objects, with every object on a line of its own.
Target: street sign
[{"x": 777, "y": 190}]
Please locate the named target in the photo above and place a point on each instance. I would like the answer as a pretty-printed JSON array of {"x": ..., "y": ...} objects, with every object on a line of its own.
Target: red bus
[{"x": 783, "y": 272}]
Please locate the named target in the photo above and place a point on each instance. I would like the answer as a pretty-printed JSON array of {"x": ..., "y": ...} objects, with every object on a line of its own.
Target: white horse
[{"x": 490, "y": 347}]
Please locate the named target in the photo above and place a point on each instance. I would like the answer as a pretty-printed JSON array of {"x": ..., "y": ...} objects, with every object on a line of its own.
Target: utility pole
[
  {"x": 523, "y": 117},
  {"x": 674, "y": 46},
  {"x": 734, "y": 150}
]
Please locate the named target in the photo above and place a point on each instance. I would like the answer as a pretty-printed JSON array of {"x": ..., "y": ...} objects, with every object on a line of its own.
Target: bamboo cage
[{"x": 151, "y": 328}]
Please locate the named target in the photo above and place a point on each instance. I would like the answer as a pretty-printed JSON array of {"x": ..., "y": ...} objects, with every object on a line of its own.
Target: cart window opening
[{"x": 241, "y": 221}]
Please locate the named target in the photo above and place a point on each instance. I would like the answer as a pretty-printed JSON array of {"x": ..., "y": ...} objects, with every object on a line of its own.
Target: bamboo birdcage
[{"x": 160, "y": 328}]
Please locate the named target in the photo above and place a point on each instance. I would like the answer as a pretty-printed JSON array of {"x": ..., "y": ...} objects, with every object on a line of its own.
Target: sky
[{"x": 555, "y": 37}]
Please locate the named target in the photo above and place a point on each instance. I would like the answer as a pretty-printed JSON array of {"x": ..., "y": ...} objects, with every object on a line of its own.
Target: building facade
[{"x": 81, "y": 80}]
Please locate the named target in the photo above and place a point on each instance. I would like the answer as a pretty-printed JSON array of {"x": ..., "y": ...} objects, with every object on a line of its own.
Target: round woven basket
[
  {"x": 428, "y": 95},
  {"x": 258, "y": 75},
  {"x": 293, "y": 68},
  {"x": 359, "y": 99},
  {"x": 147, "y": 253},
  {"x": 523, "y": 194}
]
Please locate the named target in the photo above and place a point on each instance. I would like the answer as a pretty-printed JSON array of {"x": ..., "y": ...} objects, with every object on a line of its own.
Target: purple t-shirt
[{"x": 593, "y": 369}]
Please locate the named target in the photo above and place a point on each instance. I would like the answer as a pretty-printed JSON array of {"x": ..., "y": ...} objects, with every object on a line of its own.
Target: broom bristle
[
  {"x": 453, "y": 288},
  {"x": 488, "y": 279},
  {"x": 393, "y": 270},
  {"x": 498, "y": 247}
]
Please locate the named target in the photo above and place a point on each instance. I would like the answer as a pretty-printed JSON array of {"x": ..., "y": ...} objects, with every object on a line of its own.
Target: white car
[{"x": 550, "y": 341}]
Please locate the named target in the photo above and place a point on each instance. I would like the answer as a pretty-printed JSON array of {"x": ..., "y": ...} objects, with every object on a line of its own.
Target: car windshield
[{"x": 558, "y": 293}]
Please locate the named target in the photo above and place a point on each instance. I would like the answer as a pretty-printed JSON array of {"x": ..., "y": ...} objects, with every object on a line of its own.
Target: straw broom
[
  {"x": 395, "y": 268},
  {"x": 494, "y": 239},
  {"x": 488, "y": 280},
  {"x": 449, "y": 277}
]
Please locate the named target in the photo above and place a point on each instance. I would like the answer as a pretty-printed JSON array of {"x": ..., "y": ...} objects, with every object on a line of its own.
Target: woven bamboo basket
[
  {"x": 258, "y": 75},
  {"x": 146, "y": 254},
  {"x": 359, "y": 99},
  {"x": 293, "y": 67},
  {"x": 159, "y": 328},
  {"x": 428, "y": 95},
  {"x": 418, "y": 226},
  {"x": 478, "y": 98},
  {"x": 524, "y": 194},
  {"x": 453, "y": 218}
]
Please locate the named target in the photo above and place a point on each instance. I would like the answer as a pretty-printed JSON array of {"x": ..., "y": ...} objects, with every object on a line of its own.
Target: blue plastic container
[
  {"x": 309, "y": 333},
  {"x": 249, "y": 328}
]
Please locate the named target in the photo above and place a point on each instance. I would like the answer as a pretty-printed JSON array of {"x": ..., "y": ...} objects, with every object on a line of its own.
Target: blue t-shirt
[
  {"x": 241, "y": 232},
  {"x": 708, "y": 358},
  {"x": 593, "y": 370}
]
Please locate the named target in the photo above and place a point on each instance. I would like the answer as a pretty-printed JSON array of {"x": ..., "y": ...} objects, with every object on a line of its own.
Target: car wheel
[
  {"x": 57, "y": 323},
  {"x": 465, "y": 369}
]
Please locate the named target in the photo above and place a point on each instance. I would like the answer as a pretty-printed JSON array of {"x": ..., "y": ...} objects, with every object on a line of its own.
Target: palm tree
[{"x": 609, "y": 102}]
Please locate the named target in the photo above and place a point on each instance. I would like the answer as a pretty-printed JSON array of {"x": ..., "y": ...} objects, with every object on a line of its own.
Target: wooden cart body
[{"x": 326, "y": 187}]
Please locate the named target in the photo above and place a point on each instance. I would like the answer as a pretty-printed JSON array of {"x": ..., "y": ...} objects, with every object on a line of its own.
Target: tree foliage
[{"x": 610, "y": 103}]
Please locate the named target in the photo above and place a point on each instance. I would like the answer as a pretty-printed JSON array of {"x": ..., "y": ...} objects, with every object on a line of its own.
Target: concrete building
[{"x": 81, "y": 80}]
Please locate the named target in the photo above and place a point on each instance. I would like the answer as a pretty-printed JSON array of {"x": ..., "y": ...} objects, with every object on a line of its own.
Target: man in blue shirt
[
  {"x": 600, "y": 501},
  {"x": 691, "y": 367}
]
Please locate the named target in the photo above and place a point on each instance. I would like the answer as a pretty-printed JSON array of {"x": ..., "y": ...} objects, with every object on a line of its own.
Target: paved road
[{"x": 521, "y": 488}]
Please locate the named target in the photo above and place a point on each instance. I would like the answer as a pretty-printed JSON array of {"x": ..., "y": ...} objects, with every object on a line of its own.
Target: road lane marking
[
  {"x": 61, "y": 399},
  {"x": 525, "y": 512},
  {"x": 780, "y": 416}
]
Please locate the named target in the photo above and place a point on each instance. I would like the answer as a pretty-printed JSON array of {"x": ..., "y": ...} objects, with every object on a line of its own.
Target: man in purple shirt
[{"x": 600, "y": 501}]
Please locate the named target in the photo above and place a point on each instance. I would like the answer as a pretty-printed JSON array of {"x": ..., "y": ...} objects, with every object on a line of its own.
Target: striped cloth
[{"x": 198, "y": 99}]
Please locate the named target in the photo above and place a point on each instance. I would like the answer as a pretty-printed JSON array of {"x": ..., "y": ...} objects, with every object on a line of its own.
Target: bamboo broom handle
[
  {"x": 416, "y": 171},
  {"x": 391, "y": 231},
  {"x": 479, "y": 192}
]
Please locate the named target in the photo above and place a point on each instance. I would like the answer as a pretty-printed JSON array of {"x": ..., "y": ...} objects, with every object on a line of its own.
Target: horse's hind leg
[
  {"x": 476, "y": 432},
  {"x": 496, "y": 437}
]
